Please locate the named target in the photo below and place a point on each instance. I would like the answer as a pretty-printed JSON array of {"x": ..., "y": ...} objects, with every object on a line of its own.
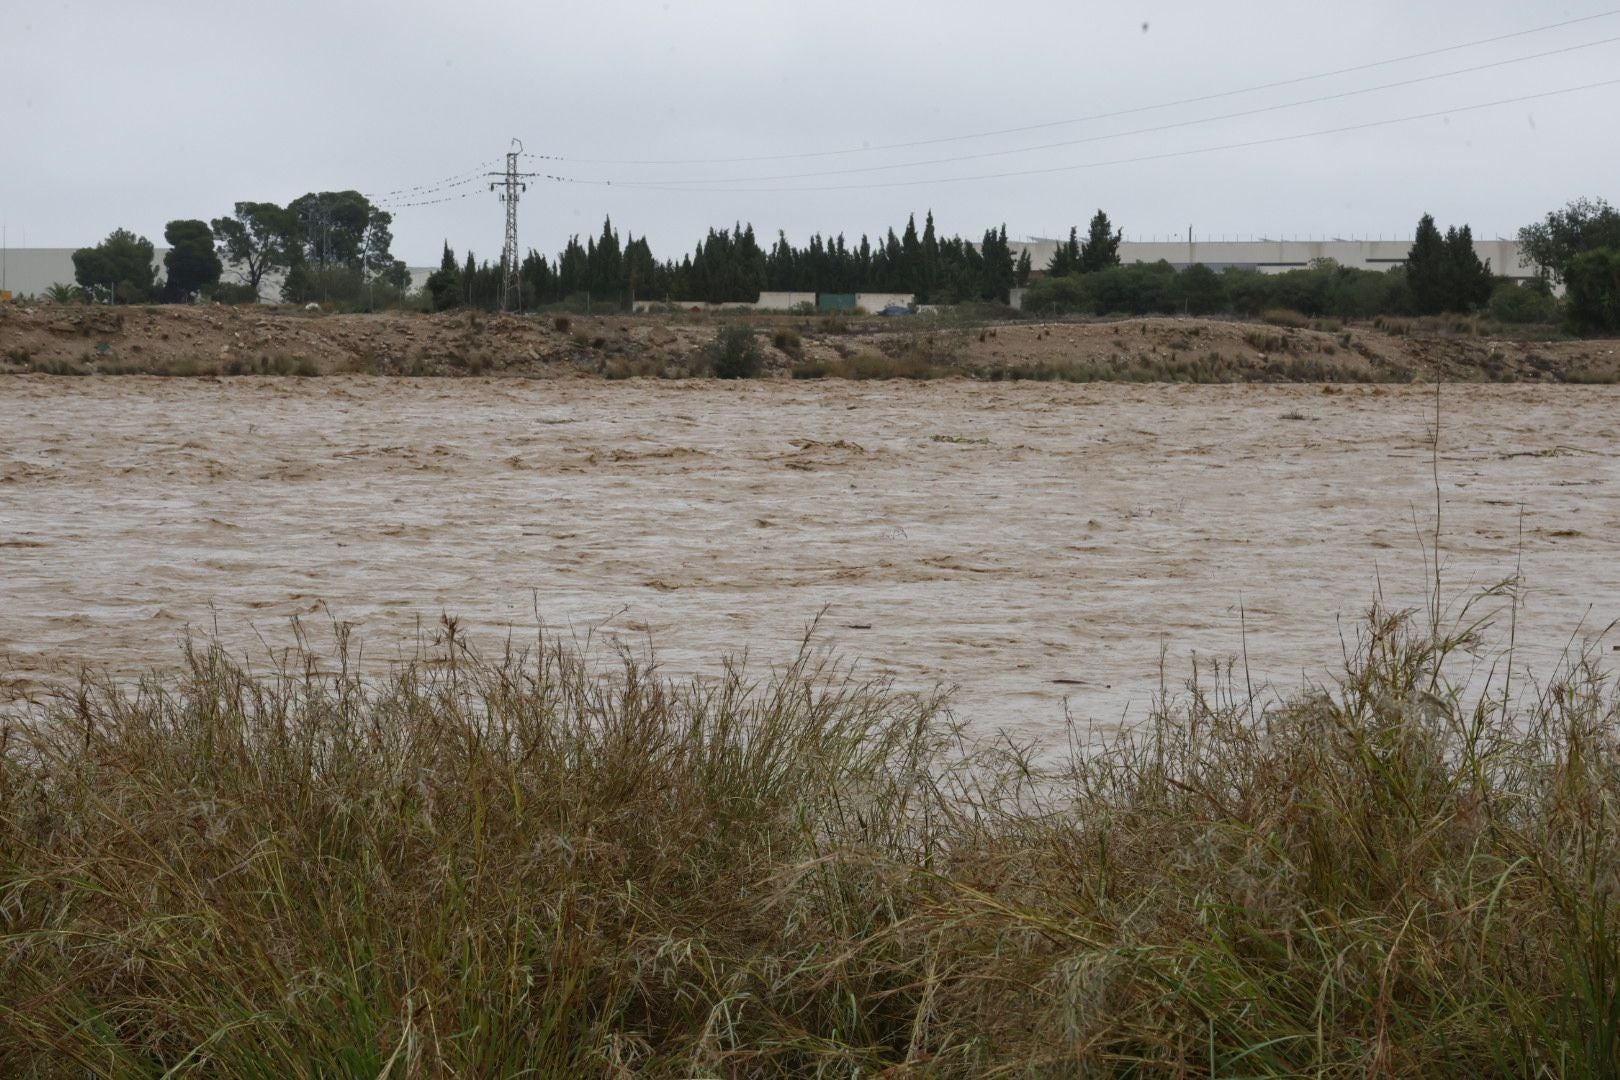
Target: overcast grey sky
[{"x": 130, "y": 114}]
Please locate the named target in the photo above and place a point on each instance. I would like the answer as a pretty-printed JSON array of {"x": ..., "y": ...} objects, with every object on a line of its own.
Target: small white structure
[
  {"x": 784, "y": 301},
  {"x": 874, "y": 302}
]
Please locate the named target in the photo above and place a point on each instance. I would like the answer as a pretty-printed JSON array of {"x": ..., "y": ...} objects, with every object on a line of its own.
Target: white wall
[
  {"x": 874, "y": 302},
  {"x": 1279, "y": 256},
  {"x": 784, "y": 301}
]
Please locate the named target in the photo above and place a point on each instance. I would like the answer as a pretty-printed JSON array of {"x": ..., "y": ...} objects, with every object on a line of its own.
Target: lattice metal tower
[{"x": 512, "y": 185}]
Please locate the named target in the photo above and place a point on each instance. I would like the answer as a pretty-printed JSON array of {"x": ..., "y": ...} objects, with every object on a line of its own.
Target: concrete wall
[
  {"x": 784, "y": 301},
  {"x": 874, "y": 302},
  {"x": 1279, "y": 256},
  {"x": 642, "y": 306}
]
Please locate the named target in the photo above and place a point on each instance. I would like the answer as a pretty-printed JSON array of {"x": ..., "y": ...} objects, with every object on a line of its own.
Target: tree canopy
[
  {"x": 1100, "y": 249},
  {"x": 1554, "y": 242},
  {"x": 1593, "y": 278},
  {"x": 337, "y": 244},
  {"x": 1444, "y": 273},
  {"x": 120, "y": 267},
  {"x": 257, "y": 240},
  {"x": 191, "y": 264}
]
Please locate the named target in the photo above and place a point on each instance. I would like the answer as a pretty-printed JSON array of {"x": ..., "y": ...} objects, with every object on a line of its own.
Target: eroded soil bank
[{"x": 202, "y": 340}]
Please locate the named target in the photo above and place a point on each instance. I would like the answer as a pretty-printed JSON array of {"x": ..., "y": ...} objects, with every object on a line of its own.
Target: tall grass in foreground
[{"x": 536, "y": 866}]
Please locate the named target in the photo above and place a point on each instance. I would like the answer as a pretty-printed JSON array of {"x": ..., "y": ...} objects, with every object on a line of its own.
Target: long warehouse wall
[{"x": 1278, "y": 256}]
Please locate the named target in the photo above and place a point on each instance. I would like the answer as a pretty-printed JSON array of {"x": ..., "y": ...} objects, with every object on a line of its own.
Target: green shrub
[
  {"x": 231, "y": 293},
  {"x": 735, "y": 353},
  {"x": 787, "y": 340},
  {"x": 1518, "y": 304},
  {"x": 1067, "y": 295},
  {"x": 1593, "y": 280}
]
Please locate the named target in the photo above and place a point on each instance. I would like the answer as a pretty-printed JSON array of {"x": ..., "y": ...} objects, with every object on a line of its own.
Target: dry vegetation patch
[{"x": 482, "y": 867}]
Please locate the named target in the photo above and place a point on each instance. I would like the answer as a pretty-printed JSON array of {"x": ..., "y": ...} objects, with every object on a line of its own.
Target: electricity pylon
[{"x": 512, "y": 185}]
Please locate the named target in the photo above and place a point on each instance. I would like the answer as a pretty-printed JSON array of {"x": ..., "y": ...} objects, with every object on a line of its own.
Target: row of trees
[
  {"x": 335, "y": 246},
  {"x": 122, "y": 269},
  {"x": 730, "y": 265},
  {"x": 331, "y": 245},
  {"x": 1442, "y": 273},
  {"x": 1325, "y": 289},
  {"x": 1578, "y": 246}
]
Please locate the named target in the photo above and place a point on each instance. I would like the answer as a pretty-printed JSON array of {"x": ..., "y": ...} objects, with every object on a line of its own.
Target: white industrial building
[
  {"x": 1278, "y": 256},
  {"x": 30, "y": 271}
]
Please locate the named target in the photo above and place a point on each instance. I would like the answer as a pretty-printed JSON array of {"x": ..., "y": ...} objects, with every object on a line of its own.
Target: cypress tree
[
  {"x": 1468, "y": 284},
  {"x": 1066, "y": 259},
  {"x": 444, "y": 284},
  {"x": 1101, "y": 247},
  {"x": 606, "y": 264},
  {"x": 929, "y": 276},
  {"x": 1428, "y": 269}
]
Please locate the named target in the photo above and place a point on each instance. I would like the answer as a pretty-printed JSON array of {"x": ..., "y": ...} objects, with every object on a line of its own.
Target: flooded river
[{"x": 1038, "y": 546}]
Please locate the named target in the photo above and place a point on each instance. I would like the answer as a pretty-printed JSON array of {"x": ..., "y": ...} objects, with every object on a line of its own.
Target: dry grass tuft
[{"x": 481, "y": 867}]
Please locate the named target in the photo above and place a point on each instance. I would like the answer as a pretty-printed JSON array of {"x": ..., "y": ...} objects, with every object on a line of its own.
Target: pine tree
[
  {"x": 1101, "y": 247},
  {"x": 606, "y": 264},
  {"x": 928, "y": 278},
  {"x": 538, "y": 282},
  {"x": 573, "y": 269},
  {"x": 910, "y": 257},
  {"x": 750, "y": 279},
  {"x": 1066, "y": 259},
  {"x": 1428, "y": 269},
  {"x": 444, "y": 284},
  {"x": 997, "y": 271},
  {"x": 1468, "y": 279},
  {"x": 640, "y": 269}
]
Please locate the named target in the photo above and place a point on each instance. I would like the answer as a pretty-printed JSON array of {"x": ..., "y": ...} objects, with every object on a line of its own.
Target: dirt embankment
[{"x": 268, "y": 340}]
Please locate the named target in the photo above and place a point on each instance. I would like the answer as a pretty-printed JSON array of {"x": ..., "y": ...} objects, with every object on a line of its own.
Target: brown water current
[{"x": 1032, "y": 544}]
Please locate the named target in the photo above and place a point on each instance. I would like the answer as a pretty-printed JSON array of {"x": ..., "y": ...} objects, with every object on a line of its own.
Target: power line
[
  {"x": 416, "y": 198},
  {"x": 1147, "y": 130},
  {"x": 1107, "y": 115},
  {"x": 661, "y": 186},
  {"x": 451, "y": 181},
  {"x": 430, "y": 202}
]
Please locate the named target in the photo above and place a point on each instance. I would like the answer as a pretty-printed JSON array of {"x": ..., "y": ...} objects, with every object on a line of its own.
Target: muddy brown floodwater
[{"x": 1032, "y": 544}]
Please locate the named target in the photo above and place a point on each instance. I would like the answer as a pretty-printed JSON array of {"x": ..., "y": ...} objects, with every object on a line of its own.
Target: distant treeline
[
  {"x": 730, "y": 265},
  {"x": 334, "y": 247},
  {"x": 1578, "y": 246},
  {"x": 330, "y": 246}
]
